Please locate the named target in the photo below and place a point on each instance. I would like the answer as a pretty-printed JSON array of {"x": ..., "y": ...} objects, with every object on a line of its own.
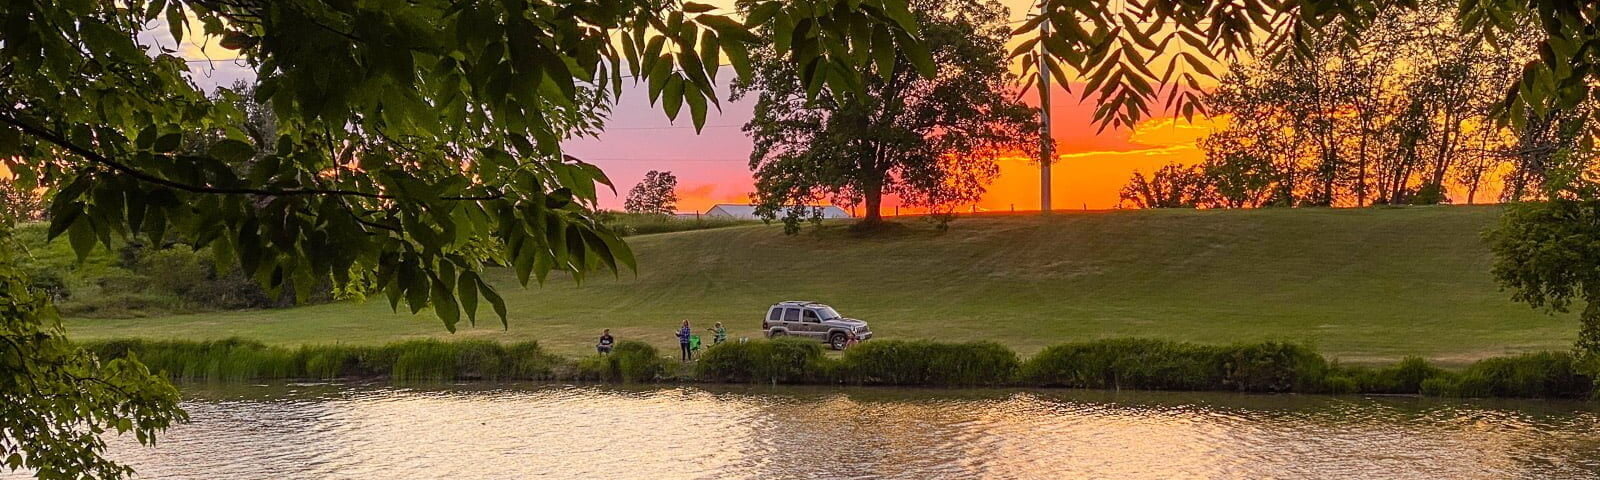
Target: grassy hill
[{"x": 1362, "y": 285}]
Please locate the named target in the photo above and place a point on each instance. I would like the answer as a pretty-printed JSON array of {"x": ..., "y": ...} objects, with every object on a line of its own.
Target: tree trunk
[{"x": 873, "y": 193}]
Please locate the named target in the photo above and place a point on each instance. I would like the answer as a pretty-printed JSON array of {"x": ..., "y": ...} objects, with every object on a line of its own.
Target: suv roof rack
[{"x": 797, "y": 302}]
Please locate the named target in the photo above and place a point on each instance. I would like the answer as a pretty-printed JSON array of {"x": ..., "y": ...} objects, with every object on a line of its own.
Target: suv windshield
[{"x": 827, "y": 313}]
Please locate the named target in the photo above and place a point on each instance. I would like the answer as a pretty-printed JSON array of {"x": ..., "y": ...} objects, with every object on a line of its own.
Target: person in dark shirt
[
  {"x": 605, "y": 342},
  {"x": 683, "y": 340}
]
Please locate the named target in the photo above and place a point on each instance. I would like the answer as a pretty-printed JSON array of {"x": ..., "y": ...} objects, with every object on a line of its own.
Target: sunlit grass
[{"x": 1362, "y": 286}]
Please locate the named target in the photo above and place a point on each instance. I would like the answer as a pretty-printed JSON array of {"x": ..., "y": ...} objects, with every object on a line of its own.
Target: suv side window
[
  {"x": 775, "y": 314},
  {"x": 791, "y": 314},
  {"x": 811, "y": 316}
]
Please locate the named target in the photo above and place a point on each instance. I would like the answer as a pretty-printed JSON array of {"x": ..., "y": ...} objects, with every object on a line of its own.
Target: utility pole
[{"x": 1046, "y": 156}]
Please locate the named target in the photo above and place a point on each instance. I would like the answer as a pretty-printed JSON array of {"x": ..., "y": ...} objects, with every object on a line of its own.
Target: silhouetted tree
[
  {"x": 656, "y": 194},
  {"x": 931, "y": 140}
]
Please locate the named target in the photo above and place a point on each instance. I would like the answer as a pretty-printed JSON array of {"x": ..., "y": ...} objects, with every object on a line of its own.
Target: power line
[{"x": 667, "y": 127}]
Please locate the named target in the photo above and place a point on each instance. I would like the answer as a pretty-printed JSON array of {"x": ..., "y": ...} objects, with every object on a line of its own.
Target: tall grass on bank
[
  {"x": 417, "y": 360},
  {"x": 630, "y": 361},
  {"x": 1127, "y": 363}
]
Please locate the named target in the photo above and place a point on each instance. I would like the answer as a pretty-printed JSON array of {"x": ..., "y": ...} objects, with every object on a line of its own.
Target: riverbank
[
  {"x": 1363, "y": 286},
  {"x": 1134, "y": 364}
]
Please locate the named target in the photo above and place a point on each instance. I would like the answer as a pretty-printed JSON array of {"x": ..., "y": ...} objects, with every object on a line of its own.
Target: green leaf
[
  {"x": 232, "y": 151},
  {"x": 693, "y": 7},
  {"x": 762, "y": 13},
  {"x": 176, "y": 21},
  {"x": 82, "y": 237},
  {"x": 444, "y": 304},
  {"x": 697, "y": 108},
  {"x": 672, "y": 96},
  {"x": 495, "y": 301},
  {"x": 467, "y": 293},
  {"x": 738, "y": 57},
  {"x": 168, "y": 143},
  {"x": 709, "y": 56},
  {"x": 236, "y": 40}
]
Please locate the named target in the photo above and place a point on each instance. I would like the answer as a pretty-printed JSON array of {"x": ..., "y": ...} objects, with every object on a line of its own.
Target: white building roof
[{"x": 748, "y": 212}]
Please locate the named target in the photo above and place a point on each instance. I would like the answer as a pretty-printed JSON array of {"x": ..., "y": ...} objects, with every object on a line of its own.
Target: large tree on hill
[
  {"x": 931, "y": 140},
  {"x": 412, "y": 144},
  {"x": 656, "y": 194}
]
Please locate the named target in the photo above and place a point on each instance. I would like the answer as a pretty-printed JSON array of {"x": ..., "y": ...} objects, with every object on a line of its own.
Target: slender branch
[{"x": 146, "y": 177}]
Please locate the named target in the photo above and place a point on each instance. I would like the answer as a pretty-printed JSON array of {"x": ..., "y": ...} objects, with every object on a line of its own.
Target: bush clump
[
  {"x": 780, "y": 360},
  {"x": 1270, "y": 367},
  {"x": 1405, "y": 377},
  {"x": 1273, "y": 367},
  {"x": 921, "y": 362},
  {"x": 1532, "y": 375},
  {"x": 1126, "y": 363},
  {"x": 630, "y": 361},
  {"x": 417, "y": 360}
]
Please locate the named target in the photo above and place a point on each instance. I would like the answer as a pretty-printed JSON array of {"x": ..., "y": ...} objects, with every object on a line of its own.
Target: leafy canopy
[
  {"x": 932, "y": 140},
  {"x": 412, "y": 143},
  {"x": 656, "y": 194},
  {"x": 1130, "y": 55}
]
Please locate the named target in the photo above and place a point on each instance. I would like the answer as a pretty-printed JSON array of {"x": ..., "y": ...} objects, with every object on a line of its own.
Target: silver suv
[{"x": 815, "y": 320}]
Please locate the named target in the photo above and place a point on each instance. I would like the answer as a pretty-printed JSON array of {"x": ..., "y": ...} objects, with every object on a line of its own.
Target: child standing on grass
[{"x": 683, "y": 339}]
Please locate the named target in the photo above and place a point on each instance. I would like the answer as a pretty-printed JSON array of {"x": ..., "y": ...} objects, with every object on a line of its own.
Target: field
[{"x": 1363, "y": 286}]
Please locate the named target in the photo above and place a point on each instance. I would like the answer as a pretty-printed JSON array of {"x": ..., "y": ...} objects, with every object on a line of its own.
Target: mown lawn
[{"x": 1364, "y": 286}]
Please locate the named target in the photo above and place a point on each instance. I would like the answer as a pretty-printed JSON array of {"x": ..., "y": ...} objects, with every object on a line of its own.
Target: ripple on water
[{"x": 522, "y": 431}]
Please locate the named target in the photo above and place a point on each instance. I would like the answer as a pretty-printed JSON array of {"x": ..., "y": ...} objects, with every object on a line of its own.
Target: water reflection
[{"x": 521, "y": 431}]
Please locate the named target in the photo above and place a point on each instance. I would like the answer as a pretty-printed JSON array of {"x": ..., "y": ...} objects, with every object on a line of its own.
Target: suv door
[
  {"x": 791, "y": 321},
  {"x": 811, "y": 323}
]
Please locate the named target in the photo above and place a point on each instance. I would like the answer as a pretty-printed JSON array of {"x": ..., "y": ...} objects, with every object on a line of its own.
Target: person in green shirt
[{"x": 719, "y": 334}]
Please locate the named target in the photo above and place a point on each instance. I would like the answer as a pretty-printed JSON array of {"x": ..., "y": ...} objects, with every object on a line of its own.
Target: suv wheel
[
  {"x": 836, "y": 340},
  {"x": 777, "y": 333}
]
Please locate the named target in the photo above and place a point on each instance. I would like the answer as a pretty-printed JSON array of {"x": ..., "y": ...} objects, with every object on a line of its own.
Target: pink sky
[{"x": 713, "y": 166}]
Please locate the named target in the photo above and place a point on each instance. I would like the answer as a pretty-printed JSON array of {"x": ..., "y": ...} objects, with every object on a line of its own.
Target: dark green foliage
[
  {"x": 930, "y": 140},
  {"x": 630, "y": 361},
  {"x": 136, "y": 280},
  {"x": 655, "y": 195},
  {"x": 1272, "y": 367},
  {"x": 922, "y": 362},
  {"x": 1127, "y": 363},
  {"x": 1533, "y": 375},
  {"x": 418, "y": 360},
  {"x": 1405, "y": 377},
  {"x": 1123, "y": 363},
  {"x": 56, "y": 399},
  {"x": 1548, "y": 255},
  {"x": 781, "y": 360}
]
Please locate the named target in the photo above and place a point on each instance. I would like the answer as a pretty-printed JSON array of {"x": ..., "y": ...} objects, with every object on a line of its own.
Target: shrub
[
  {"x": 1127, "y": 363},
  {"x": 1273, "y": 367},
  {"x": 781, "y": 360},
  {"x": 416, "y": 360},
  {"x": 921, "y": 362},
  {"x": 1405, "y": 377},
  {"x": 1532, "y": 375},
  {"x": 630, "y": 361}
]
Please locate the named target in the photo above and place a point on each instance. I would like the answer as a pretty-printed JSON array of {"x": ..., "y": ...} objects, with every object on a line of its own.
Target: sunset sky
[{"x": 713, "y": 166}]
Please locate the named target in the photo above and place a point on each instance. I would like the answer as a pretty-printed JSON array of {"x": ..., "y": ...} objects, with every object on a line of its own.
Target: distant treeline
[
  {"x": 133, "y": 279},
  {"x": 1404, "y": 115},
  {"x": 1266, "y": 367}
]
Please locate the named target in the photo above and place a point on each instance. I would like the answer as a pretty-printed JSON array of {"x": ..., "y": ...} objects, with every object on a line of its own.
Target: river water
[{"x": 587, "y": 432}]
